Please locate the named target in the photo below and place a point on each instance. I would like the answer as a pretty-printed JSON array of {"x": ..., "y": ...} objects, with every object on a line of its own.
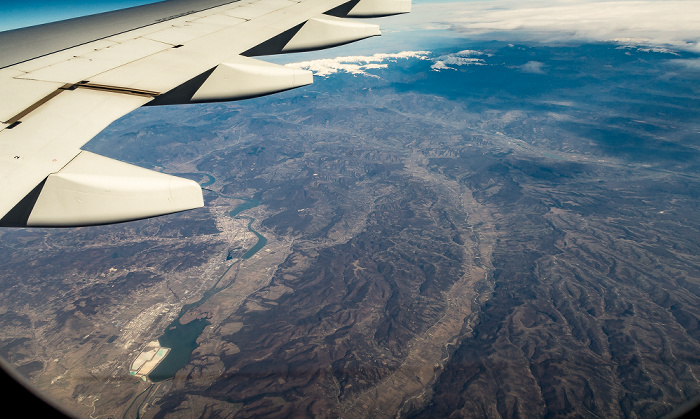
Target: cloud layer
[
  {"x": 656, "y": 24},
  {"x": 673, "y": 23}
]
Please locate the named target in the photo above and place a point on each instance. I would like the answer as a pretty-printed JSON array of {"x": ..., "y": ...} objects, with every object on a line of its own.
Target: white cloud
[
  {"x": 465, "y": 57},
  {"x": 650, "y": 49},
  {"x": 440, "y": 65},
  {"x": 534, "y": 67},
  {"x": 674, "y": 23},
  {"x": 358, "y": 64}
]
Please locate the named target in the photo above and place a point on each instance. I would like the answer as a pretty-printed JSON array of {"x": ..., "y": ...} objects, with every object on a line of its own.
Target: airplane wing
[{"x": 62, "y": 83}]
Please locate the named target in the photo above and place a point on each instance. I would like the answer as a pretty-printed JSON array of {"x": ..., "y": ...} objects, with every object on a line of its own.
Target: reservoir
[{"x": 182, "y": 341}]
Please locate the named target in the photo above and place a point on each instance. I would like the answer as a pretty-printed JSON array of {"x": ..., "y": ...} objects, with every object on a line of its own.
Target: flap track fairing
[{"x": 93, "y": 190}]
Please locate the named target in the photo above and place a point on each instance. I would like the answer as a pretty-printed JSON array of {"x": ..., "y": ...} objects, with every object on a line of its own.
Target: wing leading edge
[{"x": 60, "y": 86}]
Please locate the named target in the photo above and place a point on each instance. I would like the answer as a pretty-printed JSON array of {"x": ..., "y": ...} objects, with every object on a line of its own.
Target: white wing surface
[{"x": 64, "y": 82}]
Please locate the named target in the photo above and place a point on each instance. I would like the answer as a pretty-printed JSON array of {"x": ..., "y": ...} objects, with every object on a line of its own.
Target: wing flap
[{"x": 161, "y": 72}]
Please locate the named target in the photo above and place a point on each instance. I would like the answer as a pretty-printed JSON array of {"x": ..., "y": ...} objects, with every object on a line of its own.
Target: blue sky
[{"x": 18, "y": 14}]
